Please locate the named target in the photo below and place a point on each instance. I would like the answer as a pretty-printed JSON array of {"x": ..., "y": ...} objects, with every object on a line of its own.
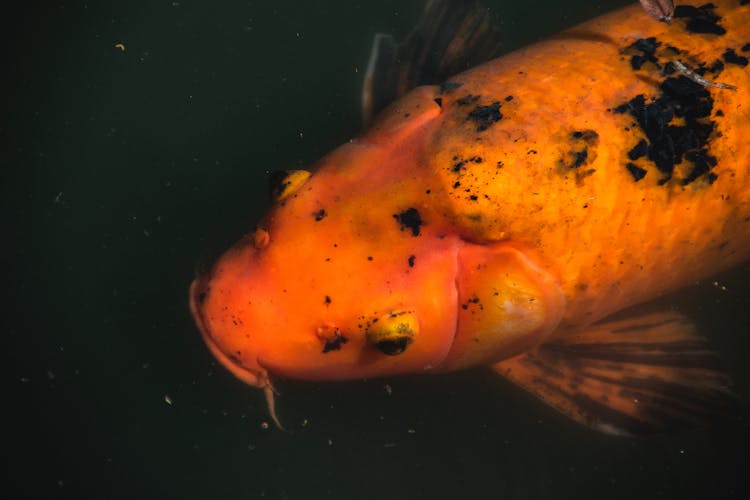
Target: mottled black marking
[
  {"x": 319, "y": 214},
  {"x": 448, "y": 87},
  {"x": 581, "y": 153},
  {"x": 668, "y": 144},
  {"x": 468, "y": 99},
  {"x": 715, "y": 68},
  {"x": 731, "y": 57},
  {"x": 638, "y": 150},
  {"x": 485, "y": 116},
  {"x": 411, "y": 260},
  {"x": 702, "y": 164},
  {"x": 410, "y": 219},
  {"x": 370, "y": 258},
  {"x": 510, "y": 97},
  {"x": 637, "y": 172},
  {"x": 647, "y": 48},
  {"x": 439, "y": 101},
  {"x": 700, "y": 19},
  {"x": 589, "y": 136},
  {"x": 745, "y": 48},
  {"x": 456, "y": 185},
  {"x": 327, "y": 300},
  {"x": 335, "y": 343},
  {"x": 458, "y": 166}
]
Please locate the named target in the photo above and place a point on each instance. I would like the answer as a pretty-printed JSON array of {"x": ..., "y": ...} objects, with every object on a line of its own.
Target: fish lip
[{"x": 196, "y": 294}]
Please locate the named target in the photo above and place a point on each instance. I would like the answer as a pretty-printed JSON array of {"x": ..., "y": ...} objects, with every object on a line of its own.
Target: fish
[{"x": 512, "y": 215}]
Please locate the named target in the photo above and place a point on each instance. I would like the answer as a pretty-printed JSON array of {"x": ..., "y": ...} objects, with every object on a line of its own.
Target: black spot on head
[
  {"x": 484, "y": 116},
  {"x": 319, "y": 214},
  {"x": 510, "y": 97},
  {"x": 327, "y": 300},
  {"x": 439, "y": 101},
  {"x": 637, "y": 172},
  {"x": 745, "y": 48},
  {"x": 700, "y": 19},
  {"x": 458, "y": 166},
  {"x": 411, "y": 259},
  {"x": 447, "y": 87},
  {"x": 334, "y": 344},
  {"x": 370, "y": 258},
  {"x": 410, "y": 219},
  {"x": 731, "y": 57}
]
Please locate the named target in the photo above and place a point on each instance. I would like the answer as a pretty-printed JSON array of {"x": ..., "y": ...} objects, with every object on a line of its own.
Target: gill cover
[{"x": 507, "y": 304}]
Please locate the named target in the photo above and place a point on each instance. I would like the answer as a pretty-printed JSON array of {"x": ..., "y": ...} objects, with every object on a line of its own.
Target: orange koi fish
[{"x": 503, "y": 218}]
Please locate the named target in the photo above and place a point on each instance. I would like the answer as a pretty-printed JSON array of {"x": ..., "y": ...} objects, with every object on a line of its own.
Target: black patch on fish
[
  {"x": 731, "y": 57},
  {"x": 439, "y": 101},
  {"x": 485, "y": 116},
  {"x": 510, "y": 97},
  {"x": 409, "y": 219},
  {"x": 460, "y": 164},
  {"x": 700, "y": 19},
  {"x": 716, "y": 67},
  {"x": 647, "y": 48},
  {"x": 327, "y": 300},
  {"x": 582, "y": 152},
  {"x": 638, "y": 150},
  {"x": 334, "y": 344},
  {"x": 637, "y": 172},
  {"x": 745, "y": 48},
  {"x": 411, "y": 259},
  {"x": 669, "y": 144},
  {"x": 319, "y": 214},
  {"x": 589, "y": 136},
  {"x": 468, "y": 99},
  {"x": 448, "y": 87}
]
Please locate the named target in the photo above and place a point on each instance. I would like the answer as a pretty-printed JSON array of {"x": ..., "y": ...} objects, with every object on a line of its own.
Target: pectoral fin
[{"x": 650, "y": 373}]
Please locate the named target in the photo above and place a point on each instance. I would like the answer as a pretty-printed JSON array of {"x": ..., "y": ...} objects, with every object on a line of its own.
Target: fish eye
[
  {"x": 393, "y": 333},
  {"x": 284, "y": 183}
]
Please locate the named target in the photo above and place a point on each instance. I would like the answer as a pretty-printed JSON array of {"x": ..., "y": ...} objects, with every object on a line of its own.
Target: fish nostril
[{"x": 393, "y": 333}]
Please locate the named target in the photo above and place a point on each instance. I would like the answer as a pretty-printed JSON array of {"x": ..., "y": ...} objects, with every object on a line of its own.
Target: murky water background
[{"x": 124, "y": 169}]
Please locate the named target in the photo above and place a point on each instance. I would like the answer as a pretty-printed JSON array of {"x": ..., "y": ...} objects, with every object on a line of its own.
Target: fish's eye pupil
[{"x": 393, "y": 347}]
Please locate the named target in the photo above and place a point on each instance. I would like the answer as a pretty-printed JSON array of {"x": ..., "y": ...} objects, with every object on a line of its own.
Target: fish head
[{"x": 357, "y": 272}]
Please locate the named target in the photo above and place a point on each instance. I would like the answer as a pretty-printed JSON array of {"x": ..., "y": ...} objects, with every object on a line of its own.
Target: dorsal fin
[{"x": 450, "y": 37}]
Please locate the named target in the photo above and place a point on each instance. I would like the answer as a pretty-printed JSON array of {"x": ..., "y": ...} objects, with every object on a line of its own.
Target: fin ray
[
  {"x": 450, "y": 37},
  {"x": 644, "y": 374}
]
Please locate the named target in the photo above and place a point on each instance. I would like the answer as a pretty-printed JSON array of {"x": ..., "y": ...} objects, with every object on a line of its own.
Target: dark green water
[{"x": 124, "y": 170}]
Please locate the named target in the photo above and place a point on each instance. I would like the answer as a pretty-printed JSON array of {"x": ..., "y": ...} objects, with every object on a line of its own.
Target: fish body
[{"x": 510, "y": 208}]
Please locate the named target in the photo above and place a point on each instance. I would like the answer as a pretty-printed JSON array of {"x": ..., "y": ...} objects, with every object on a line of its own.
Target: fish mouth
[{"x": 197, "y": 296}]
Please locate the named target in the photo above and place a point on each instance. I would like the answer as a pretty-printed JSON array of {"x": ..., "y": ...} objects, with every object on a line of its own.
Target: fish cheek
[{"x": 507, "y": 305}]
